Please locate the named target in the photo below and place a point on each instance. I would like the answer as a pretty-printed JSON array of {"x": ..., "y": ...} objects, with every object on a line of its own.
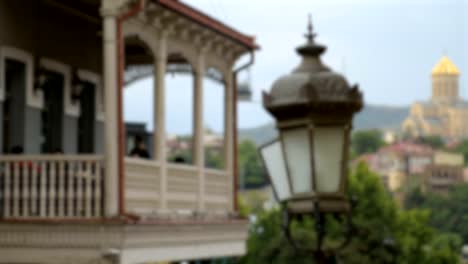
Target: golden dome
[{"x": 445, "y": 67}]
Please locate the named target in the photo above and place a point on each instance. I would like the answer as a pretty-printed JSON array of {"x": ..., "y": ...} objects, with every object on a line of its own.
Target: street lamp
[{"x": 313, "y": 107}]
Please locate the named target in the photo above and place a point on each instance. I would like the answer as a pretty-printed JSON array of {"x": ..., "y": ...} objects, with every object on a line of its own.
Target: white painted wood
[
  {"x": 79, "y": 190},
  {"x": 110, "y": 70},
  {"x": 97, "y": 190},
  {"x": 43, "y": 190},
  {"x": 229, "y": 132},
  {"x": 160, "y": 144},
  {"x": 184, "y": 251},
  {"x": 34, "y": 186},
  {"x": 51, "y": 184},
  {"x": 71, "y": 165},
  {"x": 7, "y": 181},
  {"x": 25, "y": 189},
  {"x": 52, "y": 190},
  {"x": 88, "y": 186},
  {"x": 135, "y": 243},
  {"x": 141, "y": 185},
  {"x": 61, "y": 189},
  {"x": 12, "y": 158},
  {"x": 33, "y": 98},
  {"x": 16, "y": 189},
  {"x": 198, "y": 121}
]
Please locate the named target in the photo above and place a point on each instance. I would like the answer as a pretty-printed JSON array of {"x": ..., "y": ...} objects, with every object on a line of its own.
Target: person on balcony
[
  {"x": 17, "y": 150},
  {"x": 139, "y": 149}
]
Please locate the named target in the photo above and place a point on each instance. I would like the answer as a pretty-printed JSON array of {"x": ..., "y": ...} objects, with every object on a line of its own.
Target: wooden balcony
[
  {"x": 72, "y": 187},
  {"x": 51, "y": 186},
  {"x": 149, "y": 190}
]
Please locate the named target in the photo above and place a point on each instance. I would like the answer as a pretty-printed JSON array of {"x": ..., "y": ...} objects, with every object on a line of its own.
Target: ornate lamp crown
[{"x": 312, "y": 86}]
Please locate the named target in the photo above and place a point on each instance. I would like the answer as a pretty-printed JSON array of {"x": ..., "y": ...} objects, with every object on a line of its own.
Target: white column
[
  {"x": 198, "y": 130},
  {"x": 110, "y": 70},
  {"x": 159, "y": 135},
  {"x": 229, "y": 131}
]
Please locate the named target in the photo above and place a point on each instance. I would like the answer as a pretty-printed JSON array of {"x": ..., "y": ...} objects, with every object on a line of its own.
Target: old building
[
  {"x": 398, "y": 162},
  {"x": 446, "y": 171},
  {"x": 68, "y": 193},
  {"x": 445, "y": 114}
]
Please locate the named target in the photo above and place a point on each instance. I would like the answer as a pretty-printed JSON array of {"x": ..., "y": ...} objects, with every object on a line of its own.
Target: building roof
[
  {"x": 408, "y": 148},
  {"x": 209, "y": 22},
  {"x": 445, "y": 67}
]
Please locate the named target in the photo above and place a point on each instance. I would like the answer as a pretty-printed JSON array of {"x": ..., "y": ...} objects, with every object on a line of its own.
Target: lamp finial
[{"x": 310, "y": 35}]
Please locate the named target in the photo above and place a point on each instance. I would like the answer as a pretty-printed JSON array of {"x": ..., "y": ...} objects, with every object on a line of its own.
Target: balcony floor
[{"x": 120, "y": 242}]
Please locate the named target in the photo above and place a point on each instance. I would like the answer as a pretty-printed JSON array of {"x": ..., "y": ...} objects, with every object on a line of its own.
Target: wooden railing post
[
  {"x": 7, "y": 192},
  {"x": 34, "y": 184},
  {"x": 24, "y": 194},
  {"x": 61, "y": 188},
  {"x": 97, "y": 190},
  {"x": 70, "y": 189},
  {"x": 43, "y": 190},
  {"x": 16, "y": 189}
]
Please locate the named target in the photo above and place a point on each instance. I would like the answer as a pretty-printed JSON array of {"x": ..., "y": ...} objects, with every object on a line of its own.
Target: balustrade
[{"x": 51, "y": 186}]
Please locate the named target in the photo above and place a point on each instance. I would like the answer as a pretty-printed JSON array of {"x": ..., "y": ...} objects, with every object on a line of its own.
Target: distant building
[
  {"x": 445, "y": 172},
  {"x": 445, "y": 114},
  {"x": 406, "y": 165},
  {"x": 396, "y": 162}
]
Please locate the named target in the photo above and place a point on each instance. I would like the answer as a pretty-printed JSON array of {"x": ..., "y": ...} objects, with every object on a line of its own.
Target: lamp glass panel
[
  {"x": 296, "y": 144},
  {"x": 328, "y": 156},
  {"x": 273, "y": 157}
]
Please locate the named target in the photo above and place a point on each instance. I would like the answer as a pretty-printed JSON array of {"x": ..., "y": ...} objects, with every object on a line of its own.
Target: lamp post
[{"x": 313, "y": 107}]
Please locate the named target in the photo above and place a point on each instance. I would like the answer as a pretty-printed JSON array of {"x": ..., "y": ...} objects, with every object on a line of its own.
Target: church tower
[{"x": 445, "y": 82}]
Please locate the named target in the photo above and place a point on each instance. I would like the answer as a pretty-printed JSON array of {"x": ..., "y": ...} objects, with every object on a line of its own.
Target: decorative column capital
[
  {"x": 112, "y": 7},
  {"x": 199, "y": 67},
  {"x": 161, "y": 46}
]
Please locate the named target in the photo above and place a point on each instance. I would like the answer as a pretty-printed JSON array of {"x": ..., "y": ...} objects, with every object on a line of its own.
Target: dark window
[
  {"x": 14, "y": 105},
  {"x": 52, "y": 114},
  {"x": 86, "y": 120}
]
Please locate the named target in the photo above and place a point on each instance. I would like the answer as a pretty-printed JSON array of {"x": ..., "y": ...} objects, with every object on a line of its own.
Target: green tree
[
  {"x": 251, "y": 170},
  {"x": 214, "y": 158},
  {"x": 366, "y": 141},
  {"x": 449, "y": 212},
  {"x": 463, "y": 149},
  {"x": 436, "y": 142},
  {"x": 385, "y": 233}
]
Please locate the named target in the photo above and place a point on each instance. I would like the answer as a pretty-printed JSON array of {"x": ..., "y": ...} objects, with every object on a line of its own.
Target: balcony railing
[
  {"x": 72, "y": 187},
  {"x": 51, "y": 186},
  {"x": 148, "y": 190}
]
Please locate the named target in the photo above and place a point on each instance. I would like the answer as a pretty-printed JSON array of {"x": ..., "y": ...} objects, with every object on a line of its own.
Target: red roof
[
  {"x": 209, "y": 22},
  {"x": 408, "y": 148}
]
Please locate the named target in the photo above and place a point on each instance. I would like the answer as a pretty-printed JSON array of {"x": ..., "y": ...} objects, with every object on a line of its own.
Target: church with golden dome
[{"x": 445, "y": 114}]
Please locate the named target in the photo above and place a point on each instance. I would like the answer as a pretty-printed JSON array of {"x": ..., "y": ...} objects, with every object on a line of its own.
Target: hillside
[{"x": 371, "y": 117}]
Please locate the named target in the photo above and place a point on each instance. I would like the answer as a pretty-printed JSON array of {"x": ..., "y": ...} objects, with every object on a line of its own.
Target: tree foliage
[
  {"x": 463, "y": 149},
  {"x": 449, "y": 212},
  {"x": 366, "y": 141},
  {"x": 251, "y": 171},
  {"x": 385, "y": 233},
  {"x": 436, "y": 142}
]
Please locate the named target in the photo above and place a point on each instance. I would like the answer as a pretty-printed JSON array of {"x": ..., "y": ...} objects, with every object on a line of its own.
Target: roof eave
[{"x": 207, "y": 21}]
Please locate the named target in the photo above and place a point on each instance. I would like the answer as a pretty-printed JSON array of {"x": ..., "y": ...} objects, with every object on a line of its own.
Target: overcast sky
[{"x": 388, "y": 47}]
